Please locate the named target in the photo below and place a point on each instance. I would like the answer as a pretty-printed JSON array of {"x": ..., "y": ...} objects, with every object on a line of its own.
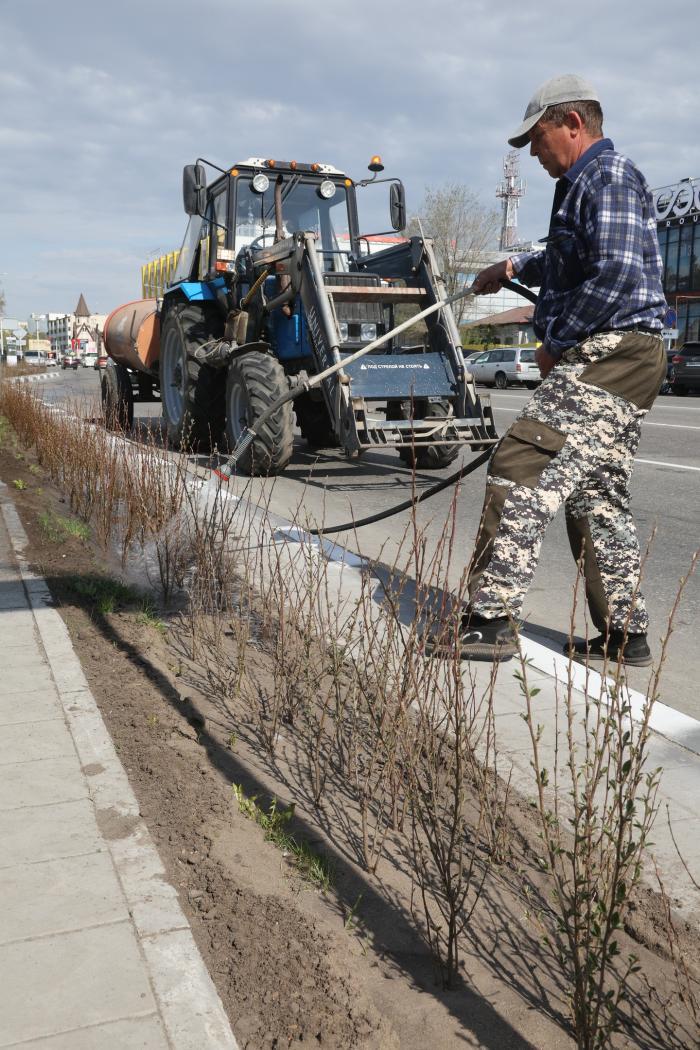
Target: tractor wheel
[
  {"x": 192, "y": 394},
  {"x": 501, "y": 380},
  {"x": 117, "y": 397},
  {"x": 314, "y": 422},
  {"x": 253, "y": 382},
  {"x": 420, "y": 456}
]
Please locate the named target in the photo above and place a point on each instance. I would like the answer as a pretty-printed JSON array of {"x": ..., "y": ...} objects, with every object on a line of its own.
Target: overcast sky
[{"x": 101, "y": 104}]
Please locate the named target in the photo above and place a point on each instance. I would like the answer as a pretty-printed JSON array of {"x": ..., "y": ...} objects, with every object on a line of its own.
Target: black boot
[
  {"x": 477, "y": 638},
  {"x": 616, "y": 646}
]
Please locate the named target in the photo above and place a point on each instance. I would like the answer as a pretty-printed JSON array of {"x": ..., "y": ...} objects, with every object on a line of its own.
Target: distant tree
[
  {"x": 462, "y": 229},
  {"x": 2, "y": 314}
]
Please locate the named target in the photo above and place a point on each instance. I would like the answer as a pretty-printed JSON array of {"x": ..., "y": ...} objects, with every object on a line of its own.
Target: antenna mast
[{"x": 510, "y": 191}]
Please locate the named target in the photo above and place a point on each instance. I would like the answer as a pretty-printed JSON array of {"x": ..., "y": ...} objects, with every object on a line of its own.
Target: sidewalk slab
[
  {"x": 47, "y": 782},
  {"x": 95, "y": 950},
  {"x": 68, "y": 829},
  {"x": 134, "y": 1034},
  {"x": 35, "y": 742},
  {"x": 36, "y": 706},
  {"x": 40, "y": 898},
  {"x": 53, "y": 984}
]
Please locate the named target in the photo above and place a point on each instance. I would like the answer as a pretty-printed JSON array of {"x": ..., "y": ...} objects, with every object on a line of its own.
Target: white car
[
  {"x": 89, "y": 360},
  {"x": 506, "y": 364}
]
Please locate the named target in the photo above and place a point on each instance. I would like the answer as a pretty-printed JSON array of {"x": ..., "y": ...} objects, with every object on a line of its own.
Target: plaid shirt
[{"x": 601, "y": 269}]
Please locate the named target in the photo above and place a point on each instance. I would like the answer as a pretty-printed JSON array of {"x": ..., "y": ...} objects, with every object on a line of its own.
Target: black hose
[{"x": 412, "y": 502}]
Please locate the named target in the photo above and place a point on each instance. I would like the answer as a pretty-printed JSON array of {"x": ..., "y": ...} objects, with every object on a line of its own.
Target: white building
[
  {"x": 482, "y": 306},
  {"x": 77, "y": 332}
]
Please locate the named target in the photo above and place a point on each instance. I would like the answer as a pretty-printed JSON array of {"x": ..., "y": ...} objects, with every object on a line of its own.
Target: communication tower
[{"x": 510, "y": 191}]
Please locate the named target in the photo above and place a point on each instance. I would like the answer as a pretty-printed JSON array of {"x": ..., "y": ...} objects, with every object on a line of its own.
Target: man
[{"x": 602, "y": 362}]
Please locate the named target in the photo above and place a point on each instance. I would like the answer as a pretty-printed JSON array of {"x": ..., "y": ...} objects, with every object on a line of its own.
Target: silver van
[{"x": 506, "y": 364}]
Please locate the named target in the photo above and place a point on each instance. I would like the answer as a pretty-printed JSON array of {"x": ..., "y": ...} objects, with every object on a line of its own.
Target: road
[{"x": 665, "y": 501}]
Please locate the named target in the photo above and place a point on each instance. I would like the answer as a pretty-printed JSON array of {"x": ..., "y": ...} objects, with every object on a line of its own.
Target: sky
[{"x": 101, "y": 105}]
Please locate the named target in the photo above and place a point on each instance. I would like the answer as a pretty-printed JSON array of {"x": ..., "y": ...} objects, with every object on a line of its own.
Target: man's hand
[
  {"x": 489, "y": 280},
  {"x": 544, "y": 361}
]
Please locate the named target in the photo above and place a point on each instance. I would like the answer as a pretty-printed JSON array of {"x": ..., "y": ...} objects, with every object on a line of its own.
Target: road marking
[
  {"x": 674, "y": 406},
  {"x": 646, "y": 423},
  {"x": 652, "y": 462},
  {"x": 662, "y": 463}
]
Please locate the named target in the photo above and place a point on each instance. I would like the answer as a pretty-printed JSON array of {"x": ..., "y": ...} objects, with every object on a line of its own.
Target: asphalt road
[{"x": 665, "y": 500}]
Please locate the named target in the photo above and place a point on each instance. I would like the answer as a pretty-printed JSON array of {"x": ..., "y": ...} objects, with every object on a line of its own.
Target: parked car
[
  {"x": 685, "y": 369},
  {"x": 666, "y": 386},
  {"x": 506, "y": 364},
  {"x": 101, "y": 362},
  {"x": 34, "y": 357}
]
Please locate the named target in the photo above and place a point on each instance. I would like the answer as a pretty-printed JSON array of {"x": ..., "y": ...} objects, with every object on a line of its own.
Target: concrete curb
[
  {"x": 31, "y": 379},
  {"x": 192, "y": 1013}
]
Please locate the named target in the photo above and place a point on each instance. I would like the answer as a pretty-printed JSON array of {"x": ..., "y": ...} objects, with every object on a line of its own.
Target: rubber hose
[{"x": 412, "y": 502}]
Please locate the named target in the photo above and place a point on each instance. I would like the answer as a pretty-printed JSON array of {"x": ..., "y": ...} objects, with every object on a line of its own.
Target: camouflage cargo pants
[{"x": 574, "y": 444}]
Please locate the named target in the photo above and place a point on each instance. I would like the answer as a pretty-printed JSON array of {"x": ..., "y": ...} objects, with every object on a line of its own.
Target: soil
[{"x": 296, "y": 966}]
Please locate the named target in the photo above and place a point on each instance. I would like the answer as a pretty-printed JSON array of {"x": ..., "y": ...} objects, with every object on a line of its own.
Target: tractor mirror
[
  {"x": 194, "y": 189},
  {"x": 397, "y": 206}
]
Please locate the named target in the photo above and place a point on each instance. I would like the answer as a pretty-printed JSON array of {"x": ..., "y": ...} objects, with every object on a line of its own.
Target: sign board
[
  {"x": 670, "y": 333},
  {"x": 20, "y": 334},
  {"x": 678, "y": 202}
]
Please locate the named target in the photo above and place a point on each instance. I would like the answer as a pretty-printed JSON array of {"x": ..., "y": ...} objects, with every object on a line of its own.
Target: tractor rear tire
[
  {"x": 253, "y": 382},
  {"x": 192, "y": 394},
  {"x": 314, "y": 422},
  {"x": 421, "y": 456},
  {"x": 117, "y": 397}
]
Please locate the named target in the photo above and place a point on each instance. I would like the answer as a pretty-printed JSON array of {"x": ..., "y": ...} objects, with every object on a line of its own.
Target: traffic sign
[{"x": 19, "y": 334}]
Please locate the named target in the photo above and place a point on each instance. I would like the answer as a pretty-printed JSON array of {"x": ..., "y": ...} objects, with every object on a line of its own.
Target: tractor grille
[{"x": 355, "y": 312}]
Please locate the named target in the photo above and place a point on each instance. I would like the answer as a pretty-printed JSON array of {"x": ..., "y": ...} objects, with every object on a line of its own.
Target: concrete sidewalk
[{"x": 95, "y": 951}]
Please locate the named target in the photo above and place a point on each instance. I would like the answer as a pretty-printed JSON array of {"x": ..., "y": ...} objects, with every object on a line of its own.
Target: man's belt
[{"x": 628, "y": 331}]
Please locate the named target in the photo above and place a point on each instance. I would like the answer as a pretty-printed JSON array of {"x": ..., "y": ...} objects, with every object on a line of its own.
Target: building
[
  {"x": 507, "y": 328},
  {"x": 77, "y": 332},
  {"x": 678, "y": 224}
]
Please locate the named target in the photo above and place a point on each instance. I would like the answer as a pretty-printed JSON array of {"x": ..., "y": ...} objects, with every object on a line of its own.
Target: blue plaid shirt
[{"x": 601, "y": 269}]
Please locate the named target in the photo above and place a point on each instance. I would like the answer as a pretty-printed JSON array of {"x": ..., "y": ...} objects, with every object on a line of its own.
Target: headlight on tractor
[{"x": 368, "y": 332}]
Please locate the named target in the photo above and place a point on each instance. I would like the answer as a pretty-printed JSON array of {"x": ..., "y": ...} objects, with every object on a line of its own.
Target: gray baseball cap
[{"x": 566, "y": 88}]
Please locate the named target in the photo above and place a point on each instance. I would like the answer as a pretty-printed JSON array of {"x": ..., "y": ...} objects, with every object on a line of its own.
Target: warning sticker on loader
[{"x": 380, "y": 376}]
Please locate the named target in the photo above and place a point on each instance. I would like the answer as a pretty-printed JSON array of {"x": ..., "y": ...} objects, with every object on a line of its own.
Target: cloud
[{"x": 101, "y": 105}]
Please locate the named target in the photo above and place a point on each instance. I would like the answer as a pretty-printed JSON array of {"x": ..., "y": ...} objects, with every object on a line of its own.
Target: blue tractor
[{"x": 275, "y": 283}]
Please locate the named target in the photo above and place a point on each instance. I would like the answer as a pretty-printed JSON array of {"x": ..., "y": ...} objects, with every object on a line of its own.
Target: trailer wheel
[
  {"x": 314, "y": 422},
  {"x": 253, "y": 382},
  {"x": 192, "y": 394},
  {"x": 422, "y": 456},
  {"x": 117, "y": 397}
]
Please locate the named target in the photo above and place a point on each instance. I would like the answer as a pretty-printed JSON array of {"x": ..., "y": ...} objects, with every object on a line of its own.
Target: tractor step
[{"x": 374, "y": 432}]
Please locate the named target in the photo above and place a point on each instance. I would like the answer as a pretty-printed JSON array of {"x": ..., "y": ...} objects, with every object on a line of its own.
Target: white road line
[
  {"x": 651, "y": 462},
  {"x": 674, "y": 426},
  {"x": 662, "y": 463},
  {"x": 646, "y": 423}
]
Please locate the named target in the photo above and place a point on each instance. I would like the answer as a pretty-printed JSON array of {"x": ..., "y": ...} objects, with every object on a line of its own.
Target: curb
[
  {"x": 192, "y": 1013},
  {"x": 30, "y": 379}
]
